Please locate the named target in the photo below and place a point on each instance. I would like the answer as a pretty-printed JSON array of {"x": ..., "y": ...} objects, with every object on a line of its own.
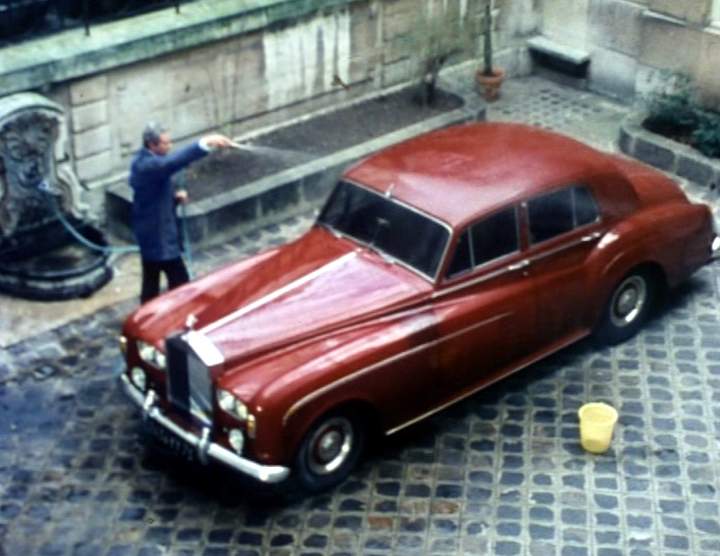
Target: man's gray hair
[{"x": 151, "y": 133}]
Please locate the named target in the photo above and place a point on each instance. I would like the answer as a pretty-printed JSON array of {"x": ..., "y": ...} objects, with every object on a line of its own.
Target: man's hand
[
  {"x": 216, "y": 141},
  {"x": 181, "y": 196}
]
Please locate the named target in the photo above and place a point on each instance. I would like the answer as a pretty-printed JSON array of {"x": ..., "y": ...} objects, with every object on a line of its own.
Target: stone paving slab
[{"x": 501, "y": 473}]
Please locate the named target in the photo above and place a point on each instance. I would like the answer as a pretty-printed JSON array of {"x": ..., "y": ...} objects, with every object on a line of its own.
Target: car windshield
[{"x": 383, "y": 224}]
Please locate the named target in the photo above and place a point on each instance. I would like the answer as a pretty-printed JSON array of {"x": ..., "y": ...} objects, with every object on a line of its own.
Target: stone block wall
[
  {"x": 228, "y": 66},
  {"x": 631, "y": 41}
]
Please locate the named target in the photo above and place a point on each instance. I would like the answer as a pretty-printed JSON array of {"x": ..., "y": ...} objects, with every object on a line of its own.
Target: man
[{"x": 154, "y": 199}]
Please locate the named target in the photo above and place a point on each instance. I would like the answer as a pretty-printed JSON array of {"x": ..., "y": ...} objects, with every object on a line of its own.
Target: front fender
[{"x": 376, "y": 365}]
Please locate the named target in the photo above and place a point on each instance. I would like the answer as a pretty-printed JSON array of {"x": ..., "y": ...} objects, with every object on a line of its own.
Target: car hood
[{"x": 289, "y": 294}]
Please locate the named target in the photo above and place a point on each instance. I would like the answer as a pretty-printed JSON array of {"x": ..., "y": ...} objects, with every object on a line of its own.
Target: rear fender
[{"x": 627, "y": 245}]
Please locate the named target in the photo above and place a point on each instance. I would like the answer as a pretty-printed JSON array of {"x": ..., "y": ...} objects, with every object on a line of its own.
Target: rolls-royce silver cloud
[{"x": 436, "y": 267}]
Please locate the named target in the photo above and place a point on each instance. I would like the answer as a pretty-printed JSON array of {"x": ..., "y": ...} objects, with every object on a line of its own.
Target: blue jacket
[{"x": 153, "y": 213}]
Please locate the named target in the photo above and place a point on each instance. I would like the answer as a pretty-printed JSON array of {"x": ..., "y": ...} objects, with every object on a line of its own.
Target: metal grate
[
  {"x": 22, "y": 20},
  {"x": 189, "y": 382}
]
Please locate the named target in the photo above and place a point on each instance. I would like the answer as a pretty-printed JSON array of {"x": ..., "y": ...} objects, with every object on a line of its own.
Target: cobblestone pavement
[{"x": 501, "y": 473}]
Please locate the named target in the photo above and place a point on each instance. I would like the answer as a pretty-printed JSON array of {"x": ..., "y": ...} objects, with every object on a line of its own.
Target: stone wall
[
  {"x": 631, "y": 41},
  {"x": 225, "y": 65}
]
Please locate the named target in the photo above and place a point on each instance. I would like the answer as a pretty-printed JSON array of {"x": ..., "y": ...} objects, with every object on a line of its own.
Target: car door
[
  {"x": 564, "y": 227},
  {"x": 485, "y": 306}
]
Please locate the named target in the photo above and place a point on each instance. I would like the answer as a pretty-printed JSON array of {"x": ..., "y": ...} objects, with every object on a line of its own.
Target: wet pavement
[{"x": 500, "y": 473}]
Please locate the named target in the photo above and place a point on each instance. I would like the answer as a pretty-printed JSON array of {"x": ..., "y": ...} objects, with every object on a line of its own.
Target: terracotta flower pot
[{"x": 490, "y": 84}]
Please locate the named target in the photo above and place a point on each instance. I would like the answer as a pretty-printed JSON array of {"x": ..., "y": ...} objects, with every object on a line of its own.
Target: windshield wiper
[{"x": 382, "y": 225}]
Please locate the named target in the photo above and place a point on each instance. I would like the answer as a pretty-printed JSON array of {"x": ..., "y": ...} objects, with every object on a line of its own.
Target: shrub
[
  {"x": 706, "y": 136},
  {"x": 673, "y": 111}
]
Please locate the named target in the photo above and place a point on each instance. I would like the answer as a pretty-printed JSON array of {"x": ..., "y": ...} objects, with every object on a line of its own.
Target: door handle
[
  {"x": 519, "y": 265},
  {"x": 591, "y": 237}
]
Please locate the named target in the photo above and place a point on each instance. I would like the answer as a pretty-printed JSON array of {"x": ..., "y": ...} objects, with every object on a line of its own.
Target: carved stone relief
[
  {"x": 39, "y": 257},
  {"x": 29, "y": 128}
]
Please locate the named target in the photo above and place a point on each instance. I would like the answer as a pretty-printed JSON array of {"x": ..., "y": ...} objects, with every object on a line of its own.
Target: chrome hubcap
[
  {"x": 628, "y": 301},
  {"x": 330, "y": 446}
]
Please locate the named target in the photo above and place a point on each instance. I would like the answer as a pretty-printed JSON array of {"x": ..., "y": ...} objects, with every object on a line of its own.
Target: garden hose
[{"x": 109, "y": 250}]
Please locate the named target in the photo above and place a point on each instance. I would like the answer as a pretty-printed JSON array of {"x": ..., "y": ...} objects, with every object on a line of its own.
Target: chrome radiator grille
[{"x": 189, "y": 382}]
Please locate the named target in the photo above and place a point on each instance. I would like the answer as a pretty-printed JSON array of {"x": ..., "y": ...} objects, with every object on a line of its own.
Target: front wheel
[
  {"x": 329, "y": 451},
  {"x": 628, "y": 308}
]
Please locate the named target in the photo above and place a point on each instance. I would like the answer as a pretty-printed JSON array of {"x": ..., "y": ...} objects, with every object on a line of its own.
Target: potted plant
[{"x": 490, "y": 78}]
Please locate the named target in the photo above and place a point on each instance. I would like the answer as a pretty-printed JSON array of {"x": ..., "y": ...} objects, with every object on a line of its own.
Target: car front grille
[{"x": 189, "y": 382}]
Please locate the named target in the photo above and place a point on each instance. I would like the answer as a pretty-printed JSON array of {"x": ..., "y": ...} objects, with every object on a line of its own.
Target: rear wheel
[
  {"x": 629, "y": 305},
  {"x": 329, "y": 452}
]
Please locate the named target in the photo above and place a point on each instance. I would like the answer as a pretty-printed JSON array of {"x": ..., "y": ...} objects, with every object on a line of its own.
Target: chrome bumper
[
  {"x": 715, "y": 249},
  {"x": 205, "y": 448}
]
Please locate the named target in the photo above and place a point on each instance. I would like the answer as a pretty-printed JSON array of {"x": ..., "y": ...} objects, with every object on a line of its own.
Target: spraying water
[{"x": 284, "y": 154}]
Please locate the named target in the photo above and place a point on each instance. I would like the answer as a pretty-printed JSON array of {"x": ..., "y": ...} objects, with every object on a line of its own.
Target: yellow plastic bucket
[{"x": 597, "y": 421}]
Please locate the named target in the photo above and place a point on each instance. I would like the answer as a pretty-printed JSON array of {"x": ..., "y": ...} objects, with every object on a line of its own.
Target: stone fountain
[{"x": 40, "y": 258}]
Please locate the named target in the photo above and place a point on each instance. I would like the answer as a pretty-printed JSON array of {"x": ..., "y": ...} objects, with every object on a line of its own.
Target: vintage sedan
[{"x": 435, "y": 268}]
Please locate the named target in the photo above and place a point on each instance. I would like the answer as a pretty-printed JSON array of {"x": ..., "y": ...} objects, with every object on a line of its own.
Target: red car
[{"x": 436, "y": 268}]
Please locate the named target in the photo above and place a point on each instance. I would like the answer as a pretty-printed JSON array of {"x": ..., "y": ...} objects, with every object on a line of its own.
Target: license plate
[{"x": 172, "y": 442}]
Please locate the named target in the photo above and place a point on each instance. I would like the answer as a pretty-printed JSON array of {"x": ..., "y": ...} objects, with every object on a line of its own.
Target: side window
[
  {"x": 461, "y": 261},
  {"x": 550, "y": 215},
  {"x": 586, "y": 210},
  {"x": 495, "y": 236},
  {"x": 488, "y": 239},
  {"x": 561, "y": 211}
]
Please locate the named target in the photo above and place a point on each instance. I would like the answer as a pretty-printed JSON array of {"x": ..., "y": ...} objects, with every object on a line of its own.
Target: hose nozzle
[{"x": 45, "y": 187}]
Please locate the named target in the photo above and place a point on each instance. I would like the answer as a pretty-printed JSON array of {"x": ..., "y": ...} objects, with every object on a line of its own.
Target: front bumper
[{"x": 205, "y": 449}]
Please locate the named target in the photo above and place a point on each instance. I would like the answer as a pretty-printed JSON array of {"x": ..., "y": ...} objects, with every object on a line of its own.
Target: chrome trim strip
[
  {"x": 473, "y": 327},
  {"x": 205, "y": 448},
  {"x": 591, "y": 237},
  {"x": 317, "y": 393},
  {"x": 565, "y": 246},
  {"x": 470, "y": 283},
  {"x": 482, "y": 387},
  {"x": 275, "y": 294},
  {"x": 520, "y": 265}
]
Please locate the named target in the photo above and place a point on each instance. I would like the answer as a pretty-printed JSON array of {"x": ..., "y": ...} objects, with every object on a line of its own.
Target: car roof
[{"x": 460, "y": 172}]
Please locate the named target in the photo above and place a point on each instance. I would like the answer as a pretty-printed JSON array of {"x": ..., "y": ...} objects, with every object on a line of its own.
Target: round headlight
[
  {"x": 146, "y": 351},
  {"x": 160, "y": 359},
  {"x": 137, "y": 376},
  {"x": 226, "y": 400},
  {"x": 236, "y": 440},
  {"x": 150, "y": 354},
  {"x": 232, "y": 405}
]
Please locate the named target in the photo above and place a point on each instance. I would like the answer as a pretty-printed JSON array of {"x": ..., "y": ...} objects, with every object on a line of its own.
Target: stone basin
[{"x": 56, "y": 266}]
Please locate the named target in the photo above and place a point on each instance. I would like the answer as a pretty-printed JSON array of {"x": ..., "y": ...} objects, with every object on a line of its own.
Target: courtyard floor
[{"x": 501, "y": 473}]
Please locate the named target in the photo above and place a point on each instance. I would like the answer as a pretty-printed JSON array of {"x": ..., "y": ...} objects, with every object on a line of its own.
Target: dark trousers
[{"x": 174, "y": 270}]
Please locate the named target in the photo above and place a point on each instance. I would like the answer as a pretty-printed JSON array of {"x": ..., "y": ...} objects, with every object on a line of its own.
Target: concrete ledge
[
  {"x": 278, "y": 196},
  {"x": 665, "y": 154},
  {"x": 71, "y": 54}
]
